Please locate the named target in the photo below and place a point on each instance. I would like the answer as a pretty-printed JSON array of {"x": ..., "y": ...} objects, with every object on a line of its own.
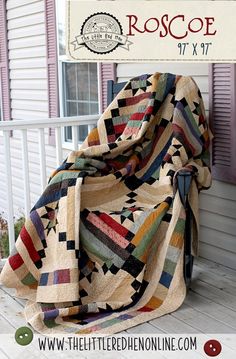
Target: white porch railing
[{"x": 40, "y": 125}]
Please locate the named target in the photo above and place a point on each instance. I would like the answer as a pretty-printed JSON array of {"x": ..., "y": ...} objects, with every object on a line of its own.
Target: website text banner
[{"x": 151, "y": 31}]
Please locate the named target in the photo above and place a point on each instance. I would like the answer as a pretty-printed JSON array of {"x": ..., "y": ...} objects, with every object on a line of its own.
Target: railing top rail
[{"x": 48, "y": 122}]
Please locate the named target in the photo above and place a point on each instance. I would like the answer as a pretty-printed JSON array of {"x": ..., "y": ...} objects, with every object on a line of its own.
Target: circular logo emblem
[
  {"x": 101, "y": 33},
  {"x": 24, "y": 335},
  {"x": 212, "y": 348}
]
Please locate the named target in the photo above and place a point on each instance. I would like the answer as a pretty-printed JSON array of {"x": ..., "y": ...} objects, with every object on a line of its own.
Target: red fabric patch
[
  {"x": 201, "y": 119},
  {"x": 119, "y": 128},
  {"x": 113, "y": 224},
  {"x": 133, "y": 209},
  {"x": 145, "y": 309},
  {"x": 15, "y": 261},
  {"x": 115, "y": 164},
  {"x": 26, "y": 239},
  {"x": 138, "y": 116},
  {"x": 111, "y": 138},
  {"x": 149, "y": 110},
  {"x": 51, "y": 215},
  {"x": 94, "y": 143},
  {"x": 167, "y": 157},
  {"x": 63, "y": 276},
  {"x": 136, "y": 99}
]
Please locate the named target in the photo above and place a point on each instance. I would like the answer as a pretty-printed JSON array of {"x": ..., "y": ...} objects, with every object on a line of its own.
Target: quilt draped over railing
[{"x": 102, "y": 249}]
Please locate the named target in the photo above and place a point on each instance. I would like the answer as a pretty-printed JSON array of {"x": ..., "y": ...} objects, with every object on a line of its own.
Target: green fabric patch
[
  {"x": 180, "y": 225},
  {"x": 59, "y": 177},
  {"x": 29, "y": 279},
  {"x": 119, "y": 120},
  {"x": 161, "y": 87},
  {"x": 50, "y": 323},
  {"x": 156, "y": 174},
  {"x": 47, "y": 305},
  {"x": 169, "y": 266},
  {"x": 140, "y": 249},
  {"x": 193, "y": 121},
  {"x": 134, "y": 123}
]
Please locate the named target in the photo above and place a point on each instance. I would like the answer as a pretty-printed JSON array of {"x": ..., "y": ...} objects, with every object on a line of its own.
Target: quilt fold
[{"x": 102, "y": 249}]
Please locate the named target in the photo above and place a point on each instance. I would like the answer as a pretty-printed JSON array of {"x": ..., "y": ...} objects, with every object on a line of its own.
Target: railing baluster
[
  {"x": 40, "y": 124},
  {"x": 75, "y": 137},
  {"x": 78, "y": 133},
  {"x": 25, "y": 158},
  {"x": 90, "y": 127},
  {"x": 42, "y": 159},
  {"x": 10, "y": 210},
  {"x": 58, "y": 146}
]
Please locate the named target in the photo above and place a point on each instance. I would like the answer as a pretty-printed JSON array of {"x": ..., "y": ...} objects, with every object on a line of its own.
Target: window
[
  {"x": 78, "y": 82},
  {"x": 80, "y": 86}
]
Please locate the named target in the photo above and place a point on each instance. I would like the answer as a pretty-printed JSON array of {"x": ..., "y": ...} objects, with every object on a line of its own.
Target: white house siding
[
  {"x": 217, "y": 205},
  {"x": 29, "y": 99}
]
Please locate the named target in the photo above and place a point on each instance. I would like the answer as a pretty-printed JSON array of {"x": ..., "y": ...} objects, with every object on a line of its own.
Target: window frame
[{"x": 62, "y": 59}]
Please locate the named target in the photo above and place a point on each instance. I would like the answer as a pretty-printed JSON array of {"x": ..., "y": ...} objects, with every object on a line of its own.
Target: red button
[{"x": 212, "y": 348}]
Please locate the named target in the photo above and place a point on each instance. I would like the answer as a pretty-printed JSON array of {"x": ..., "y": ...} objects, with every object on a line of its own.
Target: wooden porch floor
[{"x": 210, "y": 307}]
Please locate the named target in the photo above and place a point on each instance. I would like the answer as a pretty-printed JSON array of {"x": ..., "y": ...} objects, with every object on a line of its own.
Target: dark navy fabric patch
[{"x": 166, "y": 279}]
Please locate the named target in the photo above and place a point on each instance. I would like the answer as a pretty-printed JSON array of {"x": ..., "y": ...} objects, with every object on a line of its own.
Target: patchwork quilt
[{"x": 102, "y": 249}]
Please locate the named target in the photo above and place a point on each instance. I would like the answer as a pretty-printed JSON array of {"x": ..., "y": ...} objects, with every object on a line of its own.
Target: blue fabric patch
[
  {"x": 51, "y": 314},
  {"x": 166, "y": 279},
  {"x": 43, "y": 279},
  {"x": 55, "y": 277},
  {"x": 157, "y": 162}
]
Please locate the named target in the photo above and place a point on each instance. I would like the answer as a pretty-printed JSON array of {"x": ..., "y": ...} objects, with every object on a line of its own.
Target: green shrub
[
  {"x": 18, "y": 225},
  {"x": 4, "y": 238},
  {"x": 4, "y": 245}
]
